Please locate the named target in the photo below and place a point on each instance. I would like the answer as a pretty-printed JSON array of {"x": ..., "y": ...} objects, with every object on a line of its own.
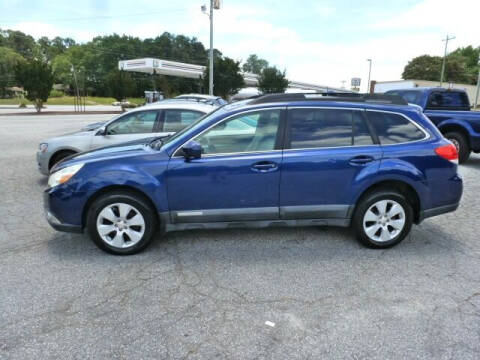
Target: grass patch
[{"x": 69, "y": 100}]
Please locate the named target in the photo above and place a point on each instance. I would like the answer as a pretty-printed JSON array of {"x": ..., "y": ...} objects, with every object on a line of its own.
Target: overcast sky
[{"x": 317, "y": 41}]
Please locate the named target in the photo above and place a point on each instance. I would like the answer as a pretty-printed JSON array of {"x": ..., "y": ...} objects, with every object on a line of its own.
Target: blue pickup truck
[{"x": 449, "y": 110}]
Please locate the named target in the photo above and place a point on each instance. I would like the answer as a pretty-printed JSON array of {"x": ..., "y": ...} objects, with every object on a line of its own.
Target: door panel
[
  {"x": 238, "y": 176},
  {"x": 199, "y": 188},
  {"x": 318, "y": 183},
  {"x": 320, "y": 176}
]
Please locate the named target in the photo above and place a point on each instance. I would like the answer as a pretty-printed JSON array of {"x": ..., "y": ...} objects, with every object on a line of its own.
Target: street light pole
[
  {"x": 447, "y": 39},
  {"x": 478, "y": 87},
  {"x": 369, "y": 73},
  {"x": 210, "y": 80}
]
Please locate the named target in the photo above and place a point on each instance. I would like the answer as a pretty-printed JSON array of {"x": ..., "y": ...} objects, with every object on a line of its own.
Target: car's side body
[
  {"x": 453, "y": 117},
  {"x": 92, "y": 137},
  {"x": 278, "y": 187}
]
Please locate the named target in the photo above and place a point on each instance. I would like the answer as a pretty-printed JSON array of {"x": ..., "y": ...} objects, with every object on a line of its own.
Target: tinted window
[
  {"x": 313, "y": 128},
  {"x": 361, "y": 132},
  {"x": 393, "y": 128},
  {"x": 137, "y": 122},
  {"x": 256, "y": 131},
  {"x": 448, "y": 99},
  {"x": 176, "y": 120},
  {"x": 412, "y": 97}
]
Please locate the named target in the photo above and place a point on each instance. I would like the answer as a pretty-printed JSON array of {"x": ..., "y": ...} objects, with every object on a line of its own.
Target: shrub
[{"x": 56, "y": 93}]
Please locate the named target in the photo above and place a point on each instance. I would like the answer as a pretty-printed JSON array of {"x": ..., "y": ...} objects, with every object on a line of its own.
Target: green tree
[
  {"x": 427, "y": 67},
  {"x": 37, "y": 80},
  {"x": 272, "y": 80},
  {"x": 423, "y": 67},
  {"x": 227, "y": 79},
  {"x": 8, "y": 61},
  {"x": 120, "y": 84},
  {"x": 21, "y": 43},
  {"x": 254, "y": 64}
]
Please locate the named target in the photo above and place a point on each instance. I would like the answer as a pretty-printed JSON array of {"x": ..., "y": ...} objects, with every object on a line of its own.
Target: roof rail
[{"x": 331, "y": 96}]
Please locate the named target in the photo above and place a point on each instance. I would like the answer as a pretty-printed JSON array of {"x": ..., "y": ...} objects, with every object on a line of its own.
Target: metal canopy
[{"x": 175, "y": 68}]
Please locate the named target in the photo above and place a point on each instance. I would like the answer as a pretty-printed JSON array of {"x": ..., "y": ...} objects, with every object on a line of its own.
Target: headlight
[
  {"x": 43, "y": 147},
  {"x": 62, "y": 176}
]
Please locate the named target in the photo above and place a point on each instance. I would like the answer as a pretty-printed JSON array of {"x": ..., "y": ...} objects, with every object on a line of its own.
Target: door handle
[
  {"x": 264, "y": 166},
  {"x": 361, "y": 160}
]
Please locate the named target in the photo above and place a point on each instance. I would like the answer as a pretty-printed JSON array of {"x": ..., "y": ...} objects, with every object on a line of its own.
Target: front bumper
[
  {"x": 42, "y": 162},
  {"x": 53, "y": 219}
]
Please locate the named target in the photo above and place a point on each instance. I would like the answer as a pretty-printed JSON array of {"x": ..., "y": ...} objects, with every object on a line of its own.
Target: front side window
[
  {"x": 394, "y": 128},
  {"x": 255, "y": 131},
  {"x": 175, "y": 120},
  {"x": 137, "y": 122},
  {"x": 317, "y": 128}
]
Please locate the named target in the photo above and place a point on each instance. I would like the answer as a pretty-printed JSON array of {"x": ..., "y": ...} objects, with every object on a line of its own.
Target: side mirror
[
  {"x": 192, "y": 150},
  {"x": 102, "y": 131}
]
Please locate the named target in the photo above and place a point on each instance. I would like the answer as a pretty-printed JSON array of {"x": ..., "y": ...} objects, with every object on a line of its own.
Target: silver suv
[{"x": 160, "y": 119}]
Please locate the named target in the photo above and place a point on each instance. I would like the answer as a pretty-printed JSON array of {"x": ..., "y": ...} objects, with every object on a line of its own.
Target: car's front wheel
[
  {"x": 121, "y": 223},
  {"x": 382, "y": 219}
]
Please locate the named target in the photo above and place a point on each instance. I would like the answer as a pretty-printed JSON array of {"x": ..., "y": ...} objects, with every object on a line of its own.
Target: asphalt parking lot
[{"x": 208, "y": 294}]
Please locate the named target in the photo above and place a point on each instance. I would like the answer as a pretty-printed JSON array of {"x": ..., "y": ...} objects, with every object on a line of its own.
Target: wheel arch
[
  {"x": 402, "y": 187},
  {"x": 455, "y": 127},
  {"x": 118, "y": 188},
  {"x": 59, "y": 151}
]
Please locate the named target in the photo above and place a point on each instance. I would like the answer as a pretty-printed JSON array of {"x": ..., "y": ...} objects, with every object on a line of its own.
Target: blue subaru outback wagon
[{"x": 369, "y": 162}]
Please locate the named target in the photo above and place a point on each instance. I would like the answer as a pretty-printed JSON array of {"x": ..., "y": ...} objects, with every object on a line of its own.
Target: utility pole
[
  {"x": 214, "y": 4},
  {"x": 369, "y": 73},
  {"x": 447, "y": 39},
  {"x": 478, "y": 87},
  {"x": 210, "y": 80}
]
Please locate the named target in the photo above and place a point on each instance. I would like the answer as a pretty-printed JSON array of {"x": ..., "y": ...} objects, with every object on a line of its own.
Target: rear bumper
[{"x": 428, "y": 213}]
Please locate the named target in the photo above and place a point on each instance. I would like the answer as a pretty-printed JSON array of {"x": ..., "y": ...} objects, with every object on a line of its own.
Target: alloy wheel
[
  {"x": 120, "y": 225},
  {"x": 384, "y": 220}
]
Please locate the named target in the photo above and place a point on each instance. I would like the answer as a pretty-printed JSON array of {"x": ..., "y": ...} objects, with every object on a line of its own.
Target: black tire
[
  {"x": 461, "y": 143},
  {"x": 138, "y": 203},
  {"x": 59, "y": 156},
  {"x": 364, "y": 205}
]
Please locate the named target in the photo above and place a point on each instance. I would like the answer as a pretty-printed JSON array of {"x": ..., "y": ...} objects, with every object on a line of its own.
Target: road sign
[{"x": 356, "y": 82}]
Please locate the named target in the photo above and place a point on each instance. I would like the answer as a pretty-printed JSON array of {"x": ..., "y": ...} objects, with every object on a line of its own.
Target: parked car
[
  {"x": 209, "y": 99},
  {"x": 449, "y": 110},
  {"x": 373, "y": 163},
  {"x": 161, "y": 119}
]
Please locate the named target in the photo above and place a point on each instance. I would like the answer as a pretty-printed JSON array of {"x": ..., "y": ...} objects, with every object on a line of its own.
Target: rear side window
[
  {"x": 394, "y": 128},
  {"x": 412, "y": 97},
  {"x": 448, "y": 100},
  {"x": 175, "y": 120},
  {"x": 316, "y": 128}
]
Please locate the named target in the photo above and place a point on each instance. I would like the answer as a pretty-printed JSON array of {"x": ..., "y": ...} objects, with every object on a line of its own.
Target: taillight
[{"x": 448, "y": 152}]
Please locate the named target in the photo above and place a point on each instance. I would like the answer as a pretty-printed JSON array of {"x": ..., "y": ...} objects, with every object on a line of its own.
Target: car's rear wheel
[
  {"x": 59, "y": 156},
  {"x": 461, "y": 143},
  {"x": 121, "y": 223},
  {"x": 382, "y": 219}
]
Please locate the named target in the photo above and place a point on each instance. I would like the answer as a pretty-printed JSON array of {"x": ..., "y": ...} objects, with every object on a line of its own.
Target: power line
[{"x": 97, "y": 17}]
